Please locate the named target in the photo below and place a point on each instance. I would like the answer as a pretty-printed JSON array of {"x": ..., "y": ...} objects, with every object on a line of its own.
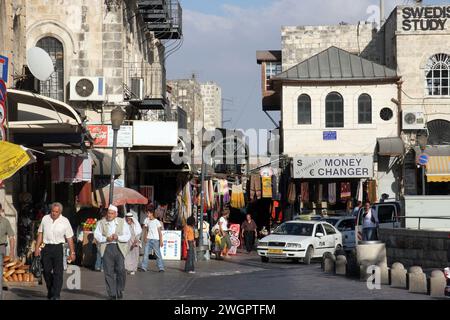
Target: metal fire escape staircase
[{"x": 163, "y": 17}]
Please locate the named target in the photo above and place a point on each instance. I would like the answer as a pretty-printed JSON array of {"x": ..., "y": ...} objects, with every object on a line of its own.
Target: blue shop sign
[{"x": 329, "y": 135}]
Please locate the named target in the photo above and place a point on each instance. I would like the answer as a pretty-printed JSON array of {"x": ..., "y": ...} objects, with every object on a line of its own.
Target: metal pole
[
  {"x": 202, "y": 208},
  {"x": 423, "y": 180},
  {"x": 113, "y": 158}
]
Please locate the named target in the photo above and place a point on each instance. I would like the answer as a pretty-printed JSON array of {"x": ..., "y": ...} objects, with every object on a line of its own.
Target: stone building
[
  {"x": 410, "y": 44},
  {"x": 212, "y": 102}
]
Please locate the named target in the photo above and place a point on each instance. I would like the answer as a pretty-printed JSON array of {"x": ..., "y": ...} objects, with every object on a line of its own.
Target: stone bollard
[
  {"x": 398, "y": 276},
  {"x": 363, "y": 275},
  {"x": 437, "y": 284},
  {"x": 329, "y": 264},
  {"x": 326, "y": 255},
  {"x": 384, "y": 273},
  {"x": 417, "y": 280},
  {"x": 341, "y": 265}
]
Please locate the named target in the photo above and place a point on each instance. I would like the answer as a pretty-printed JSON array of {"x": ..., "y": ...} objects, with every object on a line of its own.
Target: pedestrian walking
[
  {"x": 224, "y": 232},
  {"x": 113, "y": 234},
  {"x": 98, "y": 260},
  {"x": 249, "y": 232},
  {"x": 370, "y": 223},
  {"x": 6, "y": 233},
  {"x": 53, "y": 232},
  {"x": 189, "y": 239},
  {"x": 132, "y": 258},
  {"x": 154, "y": 241}
]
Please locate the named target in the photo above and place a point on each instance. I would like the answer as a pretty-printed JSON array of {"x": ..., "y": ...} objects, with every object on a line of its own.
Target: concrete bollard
[
  {"x": 398, "y": 276},
  {"x": 437, "y": 284},
  {"x": 417, "y": 280},
  {"x": 326, "y": 255},
  {"x": 341, "y": 265},
  {"x": 384, "y": 273},
  {"x": 363, "y": 275},
  {"x": 329, "y": 264}
]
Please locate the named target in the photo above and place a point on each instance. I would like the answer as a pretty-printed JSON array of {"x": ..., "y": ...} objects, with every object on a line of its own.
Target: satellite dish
[{"x": 40, "y": 63}]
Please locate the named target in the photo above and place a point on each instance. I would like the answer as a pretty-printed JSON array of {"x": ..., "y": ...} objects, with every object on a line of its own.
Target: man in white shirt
[
  {"x": 223, "y": 229},
  {"x": 154, "y": 240},
  {"x": 54, "y": 231},
  {"x": 370, "y": 223},
  {"x": 113, "y": 234}
]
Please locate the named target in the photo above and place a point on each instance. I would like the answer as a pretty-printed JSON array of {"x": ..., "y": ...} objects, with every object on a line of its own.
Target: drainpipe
[{"x": 399, "y": 126}]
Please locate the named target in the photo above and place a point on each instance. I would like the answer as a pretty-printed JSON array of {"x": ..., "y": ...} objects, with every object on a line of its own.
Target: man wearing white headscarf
[
  {"x": 132, "y": 258},
  {"x": 113, "y": 234}
]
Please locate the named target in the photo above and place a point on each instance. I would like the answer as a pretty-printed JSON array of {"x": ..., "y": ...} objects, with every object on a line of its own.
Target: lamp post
[
  {"x": 423, "y": 140},
  {"x": 117, "y": 117}
]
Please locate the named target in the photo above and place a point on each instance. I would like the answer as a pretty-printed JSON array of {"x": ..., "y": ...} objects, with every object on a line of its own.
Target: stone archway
[{"x": 438, "y": 132}]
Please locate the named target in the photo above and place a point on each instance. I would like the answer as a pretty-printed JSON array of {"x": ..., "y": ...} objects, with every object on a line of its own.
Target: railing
[
  {"x": 420, "y": 219},
  {"x": 153, "y": 80}
]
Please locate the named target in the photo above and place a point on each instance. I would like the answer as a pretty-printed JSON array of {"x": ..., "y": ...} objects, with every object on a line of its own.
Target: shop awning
[
  {"x": 102, "y": 164},
  {"x": 392, "y": 146},
  {"x": 438, "y": 166}
]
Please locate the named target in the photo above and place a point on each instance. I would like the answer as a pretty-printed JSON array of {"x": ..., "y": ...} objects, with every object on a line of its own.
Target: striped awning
[{"x": 438, "y": 169}]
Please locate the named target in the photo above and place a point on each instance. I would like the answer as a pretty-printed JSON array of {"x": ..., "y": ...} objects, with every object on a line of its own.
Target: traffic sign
[
  {"x": 4, "y": 68},
  {"x": 423, "y": 159},
  {"x": 2, "y": 113}
]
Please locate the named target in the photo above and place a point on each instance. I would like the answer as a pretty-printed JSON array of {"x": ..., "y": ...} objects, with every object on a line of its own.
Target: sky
[{"x": 221, "y": 37}]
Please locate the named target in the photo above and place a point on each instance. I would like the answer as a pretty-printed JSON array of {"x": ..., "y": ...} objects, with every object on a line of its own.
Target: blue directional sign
[
  {"x": 423, "y": 159},
  {"x": 329, "y": 135}
]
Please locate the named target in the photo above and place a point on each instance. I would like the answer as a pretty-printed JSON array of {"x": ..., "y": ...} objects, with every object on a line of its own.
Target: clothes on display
[
  {"x": 291, "y": 193},
  {"x": 255, "y": 187},
  {"x": 275, "y": 188},
  {"x": 266, "y": 187},
  {"x": 345, "y": 190},
  {"x": 372, "y": 191},
  {"x": 304, "y": 187},
  {"x": 71, "y": 169},
  {"x": 237, "y": 197},
  {"x": 276, "y": 212},
  {"x": 332, "y": 193}
]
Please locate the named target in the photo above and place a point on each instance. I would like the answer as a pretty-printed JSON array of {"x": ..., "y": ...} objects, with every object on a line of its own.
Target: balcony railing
[
  {"x": 163, "y": 17},
  {"x": 144, "y": 85}
]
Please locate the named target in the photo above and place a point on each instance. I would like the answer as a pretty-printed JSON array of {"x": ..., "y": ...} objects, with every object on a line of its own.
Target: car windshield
[
  {"x": 295, "y": 229},
  {"x": 331, "y": 221}
]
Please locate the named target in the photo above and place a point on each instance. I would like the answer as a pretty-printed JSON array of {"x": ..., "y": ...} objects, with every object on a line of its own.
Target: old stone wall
[
  {"x": 212, "y": 102},
  {"x": 428, "y": 249},
  {"x": 301, "y": 42}
]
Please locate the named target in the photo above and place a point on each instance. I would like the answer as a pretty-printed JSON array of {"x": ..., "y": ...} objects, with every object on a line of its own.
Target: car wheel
[
  {"x": 308, "y": 255},
  {"x": 264, "y": 259}
]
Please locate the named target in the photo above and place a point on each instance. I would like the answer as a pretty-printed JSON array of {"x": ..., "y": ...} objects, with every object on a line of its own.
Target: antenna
[{"x": 39, "y": 63}]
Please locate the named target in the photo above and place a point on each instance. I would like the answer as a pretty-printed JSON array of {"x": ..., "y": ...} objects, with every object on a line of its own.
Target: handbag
[{"x": 36, "y": 267}]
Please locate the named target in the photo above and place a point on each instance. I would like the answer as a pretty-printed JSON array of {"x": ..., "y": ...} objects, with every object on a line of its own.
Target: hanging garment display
[
  {"x": 346, "y": 190},
  {"x": 332, "y": 193},
  {"x": 359, "y": 192},
  {"x": 255, "y": 187},
  {"x": 71, "y": 169},
  {"x": 226, "y": 191},
  {"x": 237, "y": 197},
  {"x": 291, "y": 193},
  {"x": 372, "y": 191},
  {"x": 276, "y": 212},
  {"x": 304, "y": 187},
  {"x": 211, "y": 194},
  {"x": 266, "y": 187},
  {"x": 275, "y": 188}
]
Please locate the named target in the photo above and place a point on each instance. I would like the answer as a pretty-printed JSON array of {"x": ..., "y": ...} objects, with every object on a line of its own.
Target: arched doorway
[{"x": 438, "y": 132}]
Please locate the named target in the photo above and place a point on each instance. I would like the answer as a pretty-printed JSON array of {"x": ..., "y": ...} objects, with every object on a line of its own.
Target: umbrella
[
  {"x": 12, "y": 158},
  {"x": 121, "y": 196}
]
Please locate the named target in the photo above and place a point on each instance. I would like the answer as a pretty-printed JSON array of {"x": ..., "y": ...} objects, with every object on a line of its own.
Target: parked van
[{"x": 387, "y": 213}]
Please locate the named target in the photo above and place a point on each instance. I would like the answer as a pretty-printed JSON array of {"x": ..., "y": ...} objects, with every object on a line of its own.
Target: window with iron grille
[
  {"x": 437, "y": 73},
  {"x": 334, "y": 110},
  {"x": 304, "y": 109},
  {"x": 364, "y": 109},
  {"x": 54, "y": 86}
]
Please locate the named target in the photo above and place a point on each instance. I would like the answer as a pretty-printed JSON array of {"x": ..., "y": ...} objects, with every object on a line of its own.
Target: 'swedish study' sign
[
  {"x": 333, "y": 167},
  {"x": 425, "y": 18}
]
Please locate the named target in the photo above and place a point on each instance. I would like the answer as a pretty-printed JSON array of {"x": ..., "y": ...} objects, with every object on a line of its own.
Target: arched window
[
  {"x": 304, "y": 109},
  {"x": 437, "y": 75},
  {"x": 334, "y": 110},
  {"x": 53, "y": 87},
  {"x": 364, "y": 108}
]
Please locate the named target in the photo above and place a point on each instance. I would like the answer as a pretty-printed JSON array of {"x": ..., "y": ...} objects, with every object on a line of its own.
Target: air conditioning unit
[
  {"x": 413, "y": 119},
  {"x": 87, "y": 89},
  {"x": 137, "y": 89}
]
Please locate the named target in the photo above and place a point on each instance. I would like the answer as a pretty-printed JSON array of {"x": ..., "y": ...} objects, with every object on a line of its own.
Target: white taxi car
[{"x": 300, "y": 240}]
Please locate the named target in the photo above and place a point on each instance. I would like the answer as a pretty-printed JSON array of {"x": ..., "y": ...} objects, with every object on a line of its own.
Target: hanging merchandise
[
  {"x": 237, "y": 197},
  {"x": 266, "y": 172},
  {"x": 304, "y": 187},
  {"x": 372, "y": 191},
  {"x": 276, "y": 212},
  {"x": 332, "y": 193},
  {"x": 267, "y": 187},
  {"x": 207, "y": 202},
  {"x": 226, "y": 191},
  {"x": 345, "y": 190},
  {"x": 359, "y": 192},
  {"x": 275, "y": 188},
  {"x": 291, "y": 193},
  {"x": 211, "y": 194},
  {"x": 255, "y": 187}
]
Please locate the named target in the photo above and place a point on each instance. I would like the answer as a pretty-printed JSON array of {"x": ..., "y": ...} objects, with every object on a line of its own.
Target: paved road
[{"x": 240, "y": 277}]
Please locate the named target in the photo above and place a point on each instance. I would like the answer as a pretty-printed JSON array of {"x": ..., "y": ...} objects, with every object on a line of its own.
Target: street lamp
[
  {"x": 422, "y": 140},
  {"x": 117, "y": 117}
]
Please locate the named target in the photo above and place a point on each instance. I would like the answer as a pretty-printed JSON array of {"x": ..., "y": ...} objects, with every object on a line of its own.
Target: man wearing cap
[{"x": 113, "y": 234}]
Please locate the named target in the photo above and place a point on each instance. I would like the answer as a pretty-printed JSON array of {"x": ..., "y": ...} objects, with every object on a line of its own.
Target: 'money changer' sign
[{"x": 333, "y": 167}]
